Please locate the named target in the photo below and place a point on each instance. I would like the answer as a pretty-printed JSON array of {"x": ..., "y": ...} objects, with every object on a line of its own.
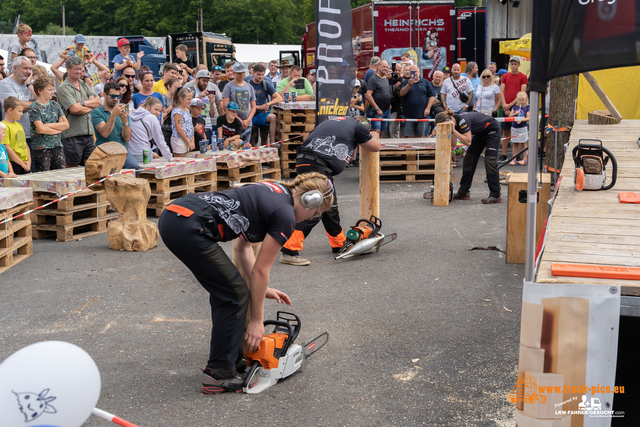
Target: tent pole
[{"x": 532, "y": 191}]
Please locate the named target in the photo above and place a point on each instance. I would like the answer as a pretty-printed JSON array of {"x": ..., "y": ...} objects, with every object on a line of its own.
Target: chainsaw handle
[
  {"x": 599, "y": 145},
  {"x": 289, "y": 328},
  {"x": 614, "y": 174}
]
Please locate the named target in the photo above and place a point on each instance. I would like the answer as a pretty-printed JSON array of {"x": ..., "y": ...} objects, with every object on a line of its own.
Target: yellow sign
[{"x": 519, "y": 47}]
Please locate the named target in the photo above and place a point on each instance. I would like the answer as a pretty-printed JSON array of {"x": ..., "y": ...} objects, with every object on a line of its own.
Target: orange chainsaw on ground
[
  {"x": 365, "y": 237},
  {"x": 278, "y": 356}
]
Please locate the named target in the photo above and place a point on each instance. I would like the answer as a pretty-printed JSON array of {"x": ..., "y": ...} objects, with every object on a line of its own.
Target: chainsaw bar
[
  {"x": 315, "y": 344},
  {"x": 388, "y": 239}
]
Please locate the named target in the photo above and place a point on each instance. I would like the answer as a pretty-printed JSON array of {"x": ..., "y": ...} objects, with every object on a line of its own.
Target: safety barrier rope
[{"x": 66, "y": 196}]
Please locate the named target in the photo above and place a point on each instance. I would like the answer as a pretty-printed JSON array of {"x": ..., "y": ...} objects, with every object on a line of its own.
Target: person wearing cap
[
  {"x": 241, "y": 93},
  {"x": 169, "y": 71},
  {"x": 202, "y": 88},
  {"x": 198, "y": 120},
  {"x": 356, "y": 106},
  {"x": 284, "y": 68},
  {"x": 79, "y": 49},
  {"x": 229, "y": 125},
  {"x": 296, "y": 83},
  {"x": 125, "y": 59},
  {"x": 512, "y": 83},
  {"x": 312, "y": 79},
  {"x": 446, "y": 73}
]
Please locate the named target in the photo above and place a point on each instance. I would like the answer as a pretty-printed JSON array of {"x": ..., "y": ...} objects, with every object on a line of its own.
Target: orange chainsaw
[{"x": 278, "y": 356}]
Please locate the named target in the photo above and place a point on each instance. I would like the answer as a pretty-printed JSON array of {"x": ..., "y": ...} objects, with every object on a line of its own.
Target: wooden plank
[
  {"x": 369, "y": 184},
  {"x": 583, "y": 238},
  {"x": 442, "y": 173},
  {"x": 603, "y": 96}
]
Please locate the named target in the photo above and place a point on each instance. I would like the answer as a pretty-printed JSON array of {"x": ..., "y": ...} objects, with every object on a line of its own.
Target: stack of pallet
[
  {"x": 15, "y": 234},
  {"x": 169, "y": 181},
  {"x": 84, "y": 214},
  {"x": 407, "y": 160},
  {"x": 295, "y": 120},
  {"x": 246, "y": 166}
]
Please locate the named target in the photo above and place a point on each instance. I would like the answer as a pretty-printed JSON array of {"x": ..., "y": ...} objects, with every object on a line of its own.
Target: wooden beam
[
  {"x": 603, "y": 96},
  {"x": 369, "y": 184},
  {"x": 442, "y": 173}
]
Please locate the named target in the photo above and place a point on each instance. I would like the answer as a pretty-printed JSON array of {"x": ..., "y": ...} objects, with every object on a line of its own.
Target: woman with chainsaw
[
  {"x": 266, "y": 212},
  {"x": 478, "y": 132}
]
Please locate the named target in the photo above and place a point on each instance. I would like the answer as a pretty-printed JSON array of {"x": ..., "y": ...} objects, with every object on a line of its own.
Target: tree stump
[
  {"x": 132, "y": 231},
  {"x": 106, "y": 159}
]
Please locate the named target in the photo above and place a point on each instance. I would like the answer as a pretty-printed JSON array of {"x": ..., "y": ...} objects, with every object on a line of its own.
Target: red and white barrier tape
[
  {"x": 499, "y": 119},
  {"x": 66, "y": 196},
  {"x": 110, "y": 417}
]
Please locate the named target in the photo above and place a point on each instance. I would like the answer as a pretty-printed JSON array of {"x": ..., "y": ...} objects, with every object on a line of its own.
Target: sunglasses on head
[
  {"x": 146, "y": 72},
  {"x": 115, "y": 96},
  {"x": 217, "y": 67}
]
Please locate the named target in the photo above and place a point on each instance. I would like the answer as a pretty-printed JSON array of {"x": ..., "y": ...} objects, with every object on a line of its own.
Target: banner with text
[
  {"x": 573, "y": 36},
  {"x": 334, "y": 53}
]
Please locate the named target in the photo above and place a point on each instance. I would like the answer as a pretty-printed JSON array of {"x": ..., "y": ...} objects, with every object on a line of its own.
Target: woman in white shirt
[{"x": 488, "y": 97}]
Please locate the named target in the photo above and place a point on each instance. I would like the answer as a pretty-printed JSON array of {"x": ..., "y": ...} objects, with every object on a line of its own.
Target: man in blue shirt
[
  {"x": 417, "y": 99},
  {"x": 266, "y": 96},
  {"x": 111, "y": 122},
  {"x": 471, "y": 72}
]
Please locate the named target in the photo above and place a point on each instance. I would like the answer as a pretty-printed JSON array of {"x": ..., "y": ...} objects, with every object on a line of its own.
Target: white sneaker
[{"x": 294, "y": 260}]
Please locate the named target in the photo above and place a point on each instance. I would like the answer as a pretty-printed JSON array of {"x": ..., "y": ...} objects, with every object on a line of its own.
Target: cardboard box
[
  {"x": 531, "y": 325},
  {"x": 530, "y": 360},
  {"x": 545, "y": 397}
]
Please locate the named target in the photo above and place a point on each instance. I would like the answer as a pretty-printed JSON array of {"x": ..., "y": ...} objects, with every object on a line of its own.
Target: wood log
[
  {"x": 442, "y": 176},
  {"x": 603, "y": 96},
  {"x": 132, "y": 231},
  {"x": 369, "y": 184},
  {"x": 602, "y": 117},
  {"x": 106, "y": 159}
]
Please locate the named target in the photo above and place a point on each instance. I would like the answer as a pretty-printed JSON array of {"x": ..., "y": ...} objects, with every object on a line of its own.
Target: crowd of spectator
[{"x": 49, "y": 124}]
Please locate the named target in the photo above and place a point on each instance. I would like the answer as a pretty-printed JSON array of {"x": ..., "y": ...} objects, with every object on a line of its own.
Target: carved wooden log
[
  {"x": 106, "y": 159},
  {"x": 132, "y": 231},
  {"x": 602, "y": 117}
]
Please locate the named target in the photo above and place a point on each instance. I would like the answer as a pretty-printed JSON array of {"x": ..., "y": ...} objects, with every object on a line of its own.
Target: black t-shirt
[
  {"x": 187, "y": 62},
  {"x": 229, "y": 129},
  {"x": 382, "y": 93},
  {"x": 252, "y": 211},
  {"x": 472, "y": 121},
  {"x": 335, "y": 140},
  {"x": 198, "y": 131},
  {"x": 222, "y": 84}
]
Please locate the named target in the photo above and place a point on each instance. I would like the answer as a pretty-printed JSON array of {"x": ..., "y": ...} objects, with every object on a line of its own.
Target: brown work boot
[
  {"x": 492, "y": 199},
  {"x": 294, "y": 260}
]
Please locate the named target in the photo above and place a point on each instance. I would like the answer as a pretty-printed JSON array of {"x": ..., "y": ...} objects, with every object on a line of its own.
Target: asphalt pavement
[{"x": 425, "y": 332}]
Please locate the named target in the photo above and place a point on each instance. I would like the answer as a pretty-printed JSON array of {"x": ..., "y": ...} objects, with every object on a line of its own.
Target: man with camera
[
  {"x": 296, "y": 83},
  {"x": 457, "y": 92},
  {"x": 379, "y": 94},
  {"x": 417, "y": 100}
]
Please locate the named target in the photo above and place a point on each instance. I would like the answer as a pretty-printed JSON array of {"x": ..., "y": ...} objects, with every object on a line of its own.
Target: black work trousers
[
  {"x": 194, "y": 240},
  {"x": 489, "y": 140},
  {"x": 330, "y": 219}
]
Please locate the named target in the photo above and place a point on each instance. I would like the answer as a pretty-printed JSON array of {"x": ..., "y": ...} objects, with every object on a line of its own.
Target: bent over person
[
  {"x": 266, "y": 212},
  {"x": 328, "y": 149},
  {"x": 478, "y": 132}
]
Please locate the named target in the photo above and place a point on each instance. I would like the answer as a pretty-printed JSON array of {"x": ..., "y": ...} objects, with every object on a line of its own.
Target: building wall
[{"x": 507, "y": 22}]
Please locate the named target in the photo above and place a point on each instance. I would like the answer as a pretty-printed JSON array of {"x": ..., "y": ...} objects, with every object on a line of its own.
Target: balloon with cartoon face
[{"x": 52, "y": 382}]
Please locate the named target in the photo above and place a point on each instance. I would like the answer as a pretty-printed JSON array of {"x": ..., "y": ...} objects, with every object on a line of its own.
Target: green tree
[{"x": 55, "y": 30}]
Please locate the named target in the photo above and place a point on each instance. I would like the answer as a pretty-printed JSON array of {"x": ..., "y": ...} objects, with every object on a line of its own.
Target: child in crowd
[
  {"x": 6, "y": 171},
  {"x": 197, "y": 106},
  {"x": 23, "y": 42},
  {"x": 47, "y": 123},
  {"x": 15, "y": 141},
  {"x": 124, "y": 59},
  {"x": 182, "y": 124},
  {"x": 519, "y": 131},
  {"x": 182, "y": 60},
  {"x": 230, "y": 128}
]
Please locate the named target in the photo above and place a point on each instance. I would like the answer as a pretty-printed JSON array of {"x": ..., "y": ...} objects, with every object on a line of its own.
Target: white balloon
[{"x": 50, "y": 382}]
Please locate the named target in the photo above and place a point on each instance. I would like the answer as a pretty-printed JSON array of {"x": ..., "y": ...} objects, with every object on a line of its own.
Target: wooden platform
[
  {"x": 82, "y": 215},
  {"x": 229, "y": 176},
  {"x": 15, "y": 237},
  {"x": 407, "y": 160},
  {"x": 593, "y": 227},
  {"x": 166, "y": 190}
]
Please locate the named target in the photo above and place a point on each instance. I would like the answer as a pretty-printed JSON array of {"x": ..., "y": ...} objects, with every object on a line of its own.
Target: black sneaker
[
  {"x": 462, "y": 196},
  {"x": 502, "y": 159},
  {"x": 491, "y": 200},
  {"x": 211, "y": 384}
]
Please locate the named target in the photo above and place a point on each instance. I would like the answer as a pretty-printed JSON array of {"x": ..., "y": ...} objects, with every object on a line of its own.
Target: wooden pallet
[
  {"x": 406, "y": 177},
  {"x": 295, "y": 127},
  {"x": 290, "y": 146},
  {"x": 228, "y": 177},
  {"x": 166, "y": 190},
  {"x": 407, "y": 165},
  {"x": 287, "y": 137},
  {"x": 271, "y": 170},
  {"x": 296, "y": 116},
  {"x": 82, "y": 215},
  {"x": 15, "y": 237}
]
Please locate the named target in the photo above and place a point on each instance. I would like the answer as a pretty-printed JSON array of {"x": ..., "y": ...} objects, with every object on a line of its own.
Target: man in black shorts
[{"x": 327, "y": 150}]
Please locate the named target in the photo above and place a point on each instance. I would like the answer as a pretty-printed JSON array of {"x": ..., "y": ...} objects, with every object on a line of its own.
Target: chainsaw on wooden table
[
  {"x": 278, "y": 356},
  {"x": 365, "y": 237},
  {"x": 591, "y": 166}
]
